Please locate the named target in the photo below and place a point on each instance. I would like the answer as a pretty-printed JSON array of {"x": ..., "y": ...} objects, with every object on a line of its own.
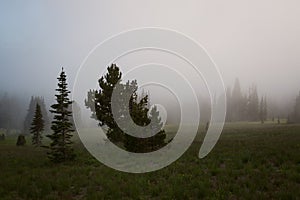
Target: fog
[{"x": 256, "y": 41}]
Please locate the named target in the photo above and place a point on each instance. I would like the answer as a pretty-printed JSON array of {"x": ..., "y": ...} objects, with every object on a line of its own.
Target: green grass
[{"x": 250, "y": 161}]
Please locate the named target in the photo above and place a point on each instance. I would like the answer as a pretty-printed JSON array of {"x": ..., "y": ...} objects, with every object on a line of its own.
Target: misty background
[{"x": 255, "y": 41}]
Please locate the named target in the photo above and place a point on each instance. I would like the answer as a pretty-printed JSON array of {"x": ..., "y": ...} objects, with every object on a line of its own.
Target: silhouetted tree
[
  {"x": 99, "y": 102},
  {"x": 37, "y": 126},
  {"x": 139, "y": 113},
  {"x": 31, "y": 111},
  {"x": 61, "y": 144}
]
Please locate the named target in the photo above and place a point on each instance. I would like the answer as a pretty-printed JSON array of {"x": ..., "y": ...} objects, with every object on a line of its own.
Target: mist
[{"x": 255, "y": 41}]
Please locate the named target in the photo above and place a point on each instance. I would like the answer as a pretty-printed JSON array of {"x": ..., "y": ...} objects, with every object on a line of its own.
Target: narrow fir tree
[
  {"x": 37, "y": 127},
  {"x": 31, "y": 111},
  {"x": 265, "y": 109},
  {"x": 261, "y": 111},
  {"x": 61, "y": 144}
]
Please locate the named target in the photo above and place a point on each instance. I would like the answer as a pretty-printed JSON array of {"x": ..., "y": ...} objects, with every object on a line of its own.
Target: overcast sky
[{"x": 255, "y": 40}]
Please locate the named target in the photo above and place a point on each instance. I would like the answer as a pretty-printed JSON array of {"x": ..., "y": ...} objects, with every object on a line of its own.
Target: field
[{"x": 250, "y": 161}]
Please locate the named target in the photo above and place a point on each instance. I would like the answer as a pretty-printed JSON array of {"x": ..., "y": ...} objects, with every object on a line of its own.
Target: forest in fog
[{"x": 16, "y": 112}]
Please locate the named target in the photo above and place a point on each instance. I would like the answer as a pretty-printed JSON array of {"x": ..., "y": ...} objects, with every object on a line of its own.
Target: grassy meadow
[{"x": 250, "y": 161}]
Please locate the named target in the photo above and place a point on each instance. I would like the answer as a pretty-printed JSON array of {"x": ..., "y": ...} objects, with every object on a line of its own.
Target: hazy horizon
[{"x": 255, "y": 41}]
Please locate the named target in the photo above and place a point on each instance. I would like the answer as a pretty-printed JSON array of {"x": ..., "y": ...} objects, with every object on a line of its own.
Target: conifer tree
[
  {"x": 61, "y": 145},
  {"x": 265, "y": 109},
  {"x": 37, "y": 126},
  {"x": 237, "y": 108},
  {"x": 99, "y": 102},
  {"x": 261, "y": 111},
  {"x": 30, "y": 113},
  {"x": 253, "y": 104}
]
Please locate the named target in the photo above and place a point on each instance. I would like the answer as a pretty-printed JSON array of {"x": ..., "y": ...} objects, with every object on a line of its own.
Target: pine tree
[
  {"x": 37, "y": 126},
  {"x": 261, "y": 110},
  {"x": 30, "y": 113},
  {"x": 253, "y": 104},
  {"x": 61, "y": 145},
  {"x": 139, "y": 113},
  {"x": 265, "y": 109},
  {"x": 237, "y": 108},
  {"x": 99, "y": 103}
]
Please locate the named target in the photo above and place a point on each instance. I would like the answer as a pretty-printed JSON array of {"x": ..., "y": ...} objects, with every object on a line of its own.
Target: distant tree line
[
  {"x": 10, "y": 113},
  {"x": 245, "y": 106}
]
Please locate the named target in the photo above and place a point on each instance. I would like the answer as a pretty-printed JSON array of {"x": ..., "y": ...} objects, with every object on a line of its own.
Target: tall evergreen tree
[
  {"x": 61, "y": 144},
  {"x": 37, "y": 126}
]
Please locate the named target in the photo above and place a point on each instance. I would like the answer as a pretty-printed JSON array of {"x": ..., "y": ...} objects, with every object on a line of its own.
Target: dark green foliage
[
  {"x": 138, "y": 112},
  {"x": 37, "y": 127},
  {"x": 99, "y": 102},
  {"x": 31, "y": 112},
  {"x": 61, "y": 145},
  {"x": 21, "y": 140}
]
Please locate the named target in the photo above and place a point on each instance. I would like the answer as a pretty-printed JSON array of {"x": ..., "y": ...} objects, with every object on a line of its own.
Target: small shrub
[{"x": 21, "y": 140}]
